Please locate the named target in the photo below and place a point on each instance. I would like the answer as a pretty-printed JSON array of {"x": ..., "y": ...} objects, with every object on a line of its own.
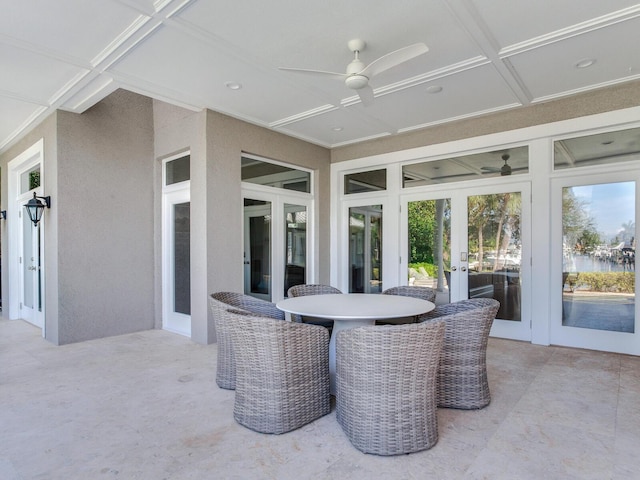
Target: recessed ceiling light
[
  {"x": 434, "y": 89},
  {"x": 233, "y": 85},
  {"x": 607, "y": 142},
  {"x": 587, "y": 62},
  {"x": 337, "y": 129}
]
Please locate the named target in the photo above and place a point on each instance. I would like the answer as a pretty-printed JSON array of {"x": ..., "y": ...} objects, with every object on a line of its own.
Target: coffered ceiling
[{"x": 484, "y": 56}]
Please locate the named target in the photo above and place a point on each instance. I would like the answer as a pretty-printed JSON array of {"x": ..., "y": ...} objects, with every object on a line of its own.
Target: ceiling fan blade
[
  {"x": 392, "y": 59},
  {"x": 366, "y": 95},
  {"x": 339, "y": 76}
]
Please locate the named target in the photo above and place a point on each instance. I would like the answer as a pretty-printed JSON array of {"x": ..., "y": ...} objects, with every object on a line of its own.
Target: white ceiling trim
[
  {"x": 572, "y": 31},
  {"x": 303, "y": 115},
  {"x": 587, "y": 88}
]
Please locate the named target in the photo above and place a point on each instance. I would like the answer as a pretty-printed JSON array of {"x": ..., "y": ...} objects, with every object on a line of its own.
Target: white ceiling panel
[
  {"x": 505, "y": 17},
  {"x": 78, "y": 28},
  {"x": 551, "y": 70},
  {"x": 416, "y": 106},
  {"x": 34, "y": 76},
  {"x": 13, "y": 115},
  {"x": 487, "y": 55}
]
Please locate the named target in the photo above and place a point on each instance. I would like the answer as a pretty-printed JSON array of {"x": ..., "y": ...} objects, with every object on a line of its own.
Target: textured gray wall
[
  {"x": 227, "y": 138},
  {"x": 608, "y": 99},
  {"x": 47, "y": 130},
  {"x": 105, "y": 219}
]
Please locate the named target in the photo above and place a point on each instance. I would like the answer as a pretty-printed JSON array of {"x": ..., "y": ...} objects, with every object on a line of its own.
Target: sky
[{"x": 609, "y": 204}]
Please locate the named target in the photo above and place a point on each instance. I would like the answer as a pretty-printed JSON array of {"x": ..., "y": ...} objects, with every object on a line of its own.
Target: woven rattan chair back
[
  {"x": 219, "y": 302},
  {"x": 424, "y": 293},
  {"x": 462, "y": 376},
  {"x": 386, "y": 386},
  {"x": 251, "y": 304},
  {"x": 311, "y": 289},
  {"x": 282, "y": 372}
]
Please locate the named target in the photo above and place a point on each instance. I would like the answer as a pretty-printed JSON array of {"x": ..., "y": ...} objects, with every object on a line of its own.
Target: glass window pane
[
  {"x": 371, "y": 181},
  {"x": 600, "y": 149},
  {"x": 599, "y": 244},
  {"x": 182, "y": 258},
  {"x": 429, "y": 243},
  {"x": 295, "y": 245},
  {"x": 365, "y": 249},
  {"x": 494, "y": 250},
  {"x": 30, "y": 179},
  {"x": 274, "y": 175},
  {"x": 514, "y": 161},
  {"x": 257, "y": 260},
  {"x": 178, "y": 170}
]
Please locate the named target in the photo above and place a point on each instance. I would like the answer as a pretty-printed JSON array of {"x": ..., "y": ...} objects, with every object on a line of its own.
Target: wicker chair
[
  {"x": 218, "y": 303},
  {"x": 251, "y": 304},
  {"x": 282, "y": 372},
  {"x": 312, "y": 289},
  {"x": 423, "y": 293},
  {"x": 462, "y": 377},
  {"x": 386, "y": 386}
]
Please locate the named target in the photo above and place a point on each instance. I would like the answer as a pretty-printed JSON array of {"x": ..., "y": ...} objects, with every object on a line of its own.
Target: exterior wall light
[
  {"x": 3, "y": 214},
  {"x": 35, "y": 207}
]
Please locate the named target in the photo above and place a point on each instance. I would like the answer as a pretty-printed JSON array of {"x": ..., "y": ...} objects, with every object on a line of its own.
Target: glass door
[
  {"x": 365, "y": 249},
  {"x": 471, "y": 244},
  {"x": 594, "y": 248},
  {"x": 257, "y": 248}
]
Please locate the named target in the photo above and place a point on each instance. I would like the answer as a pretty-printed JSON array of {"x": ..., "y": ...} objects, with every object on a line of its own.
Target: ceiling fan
[
  {"x": 357, "y": 75},
  {"x": 505, "y": 170}
]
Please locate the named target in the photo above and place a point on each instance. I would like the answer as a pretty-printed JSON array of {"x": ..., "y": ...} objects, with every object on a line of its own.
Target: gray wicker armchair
[
  {"x": 282, "y": 372},
  {"x": 386, "y": 386},
  {"x": 423, "y": 293},
  {"x": 218, "y": 303},
  {"x": 462, "y": 377},
  {"x": 312, "y": 289},
  {"x": 251, "y": 304}
]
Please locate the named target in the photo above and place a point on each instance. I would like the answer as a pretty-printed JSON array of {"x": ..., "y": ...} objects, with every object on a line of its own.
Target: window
[
  {"x": 370, "y": 181},
  {"x": 261, "y": 172},
  {"x": 177, "y": 170},
  {"x": 600, "y": 149}
]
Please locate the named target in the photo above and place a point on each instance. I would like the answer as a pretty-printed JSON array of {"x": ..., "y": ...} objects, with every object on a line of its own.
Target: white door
[
  {"x": 177, "y": 261},
  {"x": 473, "y": 243},
  {"x": 593, "y": 282},
  {"x": 30, "y": 264},
  {"x": 277, "y": 242}
]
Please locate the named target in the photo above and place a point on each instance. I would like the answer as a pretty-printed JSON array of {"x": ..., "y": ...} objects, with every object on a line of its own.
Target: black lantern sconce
[
  {"x": 3, "y": 214},
  {"x": 35, "y": 207}
]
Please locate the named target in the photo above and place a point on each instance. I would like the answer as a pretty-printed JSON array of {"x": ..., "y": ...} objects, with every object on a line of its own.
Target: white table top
[{"x": 351, "y": 306}]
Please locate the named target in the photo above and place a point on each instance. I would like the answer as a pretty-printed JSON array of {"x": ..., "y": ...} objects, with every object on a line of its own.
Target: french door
[
  {"x": 31, "y": 265},
  {"x": 277, "y": 242},
  {"x": 177, "y": 261},
  {"x": 593, "y": 280},
  {"x": 472, "y": 243}
]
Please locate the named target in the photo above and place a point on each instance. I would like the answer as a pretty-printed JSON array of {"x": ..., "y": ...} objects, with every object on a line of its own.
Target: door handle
[
  {"x": 453, "y": 269},
  {"x": 464, "y": 269}
]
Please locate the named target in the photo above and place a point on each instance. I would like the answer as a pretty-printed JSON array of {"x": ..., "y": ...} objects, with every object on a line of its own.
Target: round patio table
[{"x": 352, "y": 310}]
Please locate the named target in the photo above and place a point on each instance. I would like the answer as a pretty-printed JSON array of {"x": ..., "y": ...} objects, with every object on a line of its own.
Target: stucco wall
[
  {"x": 227, "y": 138},
  {"x": 608, "y": 99},
  {"x": 105, "y": 219},
  {"x": 46, "y": 130}
]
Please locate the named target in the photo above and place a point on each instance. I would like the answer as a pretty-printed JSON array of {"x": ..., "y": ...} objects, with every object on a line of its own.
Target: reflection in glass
[
  {"x": 29, "y": 264},
  {"x": 600, "y": 149},
  {"x": 429, "y": 243},
  {"x": 178, "y": 170},
  {"x": 30, "y": 179},
  {"x": 258, "y": 248},
  {"x": 182, "y": 258},
  {"x": 495, "y": 250},
  {"x": 371, "y": 181},
  {"x": 261, "y": 172},
  {"x": 365, "y": 249},
  {"x": 598, "y": 245},
  {"x": 505, "y": 162},
  {"x": 295, "y": 245}
]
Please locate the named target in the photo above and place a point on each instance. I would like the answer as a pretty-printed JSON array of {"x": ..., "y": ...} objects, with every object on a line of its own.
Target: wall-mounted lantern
[
  {"x": 3, "y": 214},
  {"x": 35, "y": 207}
]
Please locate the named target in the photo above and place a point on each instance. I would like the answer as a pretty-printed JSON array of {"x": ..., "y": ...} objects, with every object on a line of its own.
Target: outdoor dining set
[{"x": 388, "y": 372}]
